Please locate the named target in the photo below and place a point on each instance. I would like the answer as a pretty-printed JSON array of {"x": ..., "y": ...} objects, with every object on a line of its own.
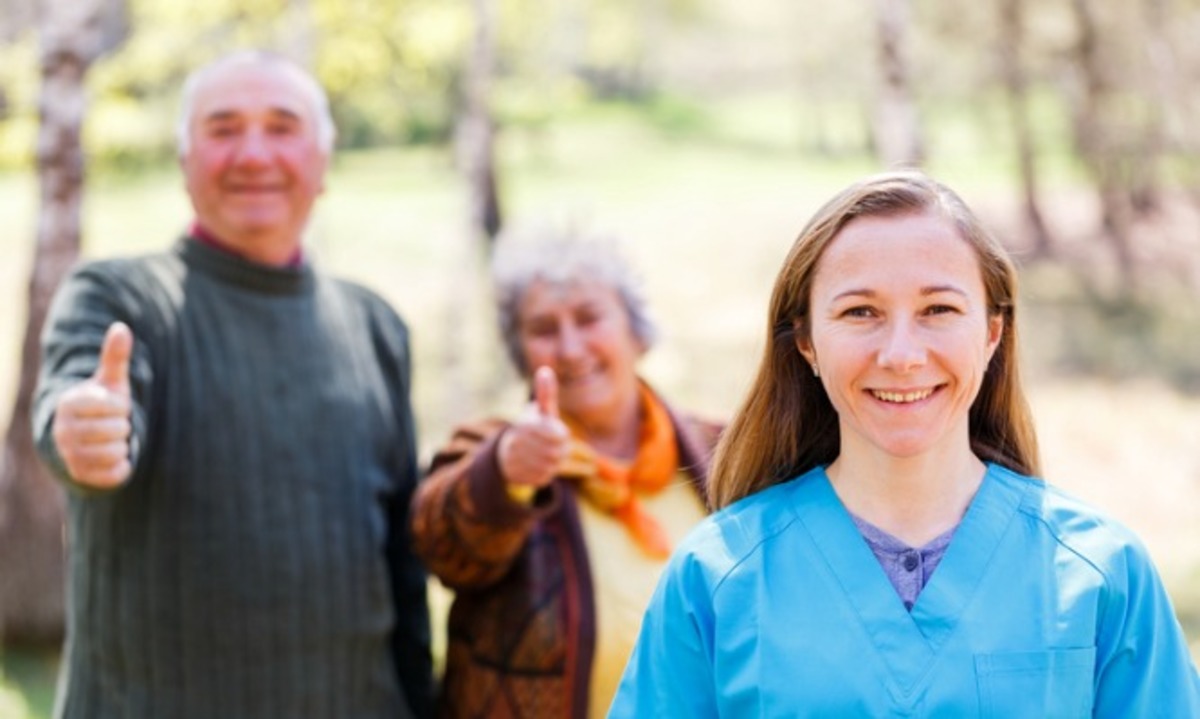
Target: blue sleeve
[
  {"x": 1143, "y": 665},
  {"x": 670, "y": 673}
]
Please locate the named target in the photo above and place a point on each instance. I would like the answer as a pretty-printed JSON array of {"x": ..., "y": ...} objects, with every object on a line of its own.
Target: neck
[
  {"x": 912, "y": 498},
  {"x": 279, "y": 252}
]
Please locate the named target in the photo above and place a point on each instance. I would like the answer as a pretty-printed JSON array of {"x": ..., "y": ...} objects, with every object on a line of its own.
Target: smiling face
[
  {"x": 254, "y": 165},
  {"x": 581, "y": 330},
  {"x": 900, "y": 331}
]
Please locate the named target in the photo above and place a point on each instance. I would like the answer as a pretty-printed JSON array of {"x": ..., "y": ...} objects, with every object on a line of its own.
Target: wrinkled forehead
[
  {"x": 564, "y": 290},
  {"x": 254, "y": 88}
]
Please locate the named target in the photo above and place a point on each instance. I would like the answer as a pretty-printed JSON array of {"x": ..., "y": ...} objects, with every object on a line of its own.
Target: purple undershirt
[{"x": 907, "y": 568}]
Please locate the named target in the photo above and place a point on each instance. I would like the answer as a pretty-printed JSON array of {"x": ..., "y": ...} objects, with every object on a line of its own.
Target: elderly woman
[
  {"x": 883, "y": 546},
  {"x": 552, "y": 528}
]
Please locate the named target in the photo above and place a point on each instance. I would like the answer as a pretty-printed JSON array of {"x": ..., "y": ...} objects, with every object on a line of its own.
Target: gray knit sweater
[{"x": 257, "y": 562}]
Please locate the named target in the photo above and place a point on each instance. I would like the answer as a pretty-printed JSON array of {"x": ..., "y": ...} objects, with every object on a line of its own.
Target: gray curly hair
[{"x": 562, "y": 256}]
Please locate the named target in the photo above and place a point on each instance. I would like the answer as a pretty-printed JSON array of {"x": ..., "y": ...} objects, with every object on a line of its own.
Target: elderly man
[{"x": 236, "y": 433}]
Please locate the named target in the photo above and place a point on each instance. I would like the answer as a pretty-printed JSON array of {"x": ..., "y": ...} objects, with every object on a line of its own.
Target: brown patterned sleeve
[{"x": 466, "y": 528}]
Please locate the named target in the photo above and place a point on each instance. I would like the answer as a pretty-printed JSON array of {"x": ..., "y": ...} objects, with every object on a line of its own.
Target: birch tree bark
[
  {"x": 468, "y": 307},
  {"x": 1012, "y": 39},
  {"x": 1095, "y": 141},
  {"x": 896, "y": 124},
  {"x": 74, "y": 33},
  {"x": 477, "y": 127}
]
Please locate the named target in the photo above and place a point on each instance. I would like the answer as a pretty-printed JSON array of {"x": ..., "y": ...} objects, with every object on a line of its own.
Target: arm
[
  {"x": 466, "y": 525},
  {"x": 670, "y": 673},
  {"x": 411, "y": 639},
  {"x": 90, "y": 406},
  {"x": 487, "y": 489},
  {"x": 1143, "y": 665}
]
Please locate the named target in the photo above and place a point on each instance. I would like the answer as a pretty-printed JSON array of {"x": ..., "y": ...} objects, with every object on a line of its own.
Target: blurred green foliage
[{"x": 392, "y": 68}]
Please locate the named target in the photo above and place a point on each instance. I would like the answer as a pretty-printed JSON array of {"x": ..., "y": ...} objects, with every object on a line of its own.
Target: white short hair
[{"x": 326, "y": 130}]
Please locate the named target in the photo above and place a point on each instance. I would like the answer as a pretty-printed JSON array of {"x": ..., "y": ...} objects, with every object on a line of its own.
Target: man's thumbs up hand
[{"x": 91, "y": 422}]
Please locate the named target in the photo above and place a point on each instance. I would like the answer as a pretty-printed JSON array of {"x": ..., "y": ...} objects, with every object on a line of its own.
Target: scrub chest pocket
[{"x": 1054, "y": 684}]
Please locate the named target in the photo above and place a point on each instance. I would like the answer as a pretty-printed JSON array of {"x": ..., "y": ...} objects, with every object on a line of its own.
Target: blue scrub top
[{"x": 1042, "y": 607}]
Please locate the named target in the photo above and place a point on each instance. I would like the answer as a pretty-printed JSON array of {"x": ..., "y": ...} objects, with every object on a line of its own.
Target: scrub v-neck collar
[{"x": 908, "y": 642}]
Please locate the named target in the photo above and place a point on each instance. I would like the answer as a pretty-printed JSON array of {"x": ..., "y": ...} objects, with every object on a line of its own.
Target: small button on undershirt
[{"x": 911, "y": 561}]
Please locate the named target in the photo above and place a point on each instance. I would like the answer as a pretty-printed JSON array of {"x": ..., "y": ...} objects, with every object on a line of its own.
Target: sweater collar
[
  {"x": 204, "y": 236},
  {"x": 231, "y": 269}
]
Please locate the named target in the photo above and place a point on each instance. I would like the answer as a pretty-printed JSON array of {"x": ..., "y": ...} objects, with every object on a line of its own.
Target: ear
[
  {"x": 324, "y": 169},
  {"x": 994, "y": 333},
  {"x": 803, "y": 342}
]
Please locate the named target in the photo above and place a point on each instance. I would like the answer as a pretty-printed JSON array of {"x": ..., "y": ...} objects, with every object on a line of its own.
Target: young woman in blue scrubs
[{"x": 887, "y": 435}]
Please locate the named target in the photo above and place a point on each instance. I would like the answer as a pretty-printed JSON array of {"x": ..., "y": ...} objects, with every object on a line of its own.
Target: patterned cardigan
[{"x": 522, "y": 625}]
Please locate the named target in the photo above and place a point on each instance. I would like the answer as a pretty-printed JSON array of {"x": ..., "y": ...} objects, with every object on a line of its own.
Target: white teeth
[{"x": 902, "y": 397}]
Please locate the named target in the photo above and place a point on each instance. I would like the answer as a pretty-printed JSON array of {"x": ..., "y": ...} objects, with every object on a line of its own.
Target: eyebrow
[
  {"x": 226, "y": 115},
  {"x": 925, "y": 291}
]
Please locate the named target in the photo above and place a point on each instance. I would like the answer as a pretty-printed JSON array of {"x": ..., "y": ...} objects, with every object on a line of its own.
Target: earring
[{"x": 816, "y": 372}]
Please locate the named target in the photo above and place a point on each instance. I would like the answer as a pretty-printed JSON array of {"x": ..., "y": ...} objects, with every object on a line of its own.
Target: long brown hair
[{"x": 786, "y": 425}]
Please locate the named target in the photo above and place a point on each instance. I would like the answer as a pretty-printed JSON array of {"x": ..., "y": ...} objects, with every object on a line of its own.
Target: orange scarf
[{"x": 612, "y": 486}]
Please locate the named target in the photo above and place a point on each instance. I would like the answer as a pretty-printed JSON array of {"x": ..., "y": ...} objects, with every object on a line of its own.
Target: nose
[
  {"x": 253, "y": 149},
  {"x": 903, "y": 350},
  {"x": 570, "y": 341}
]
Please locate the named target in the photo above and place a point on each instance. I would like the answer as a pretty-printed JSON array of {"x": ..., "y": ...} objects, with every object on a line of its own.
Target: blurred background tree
[{"x": 73, "y": 35}]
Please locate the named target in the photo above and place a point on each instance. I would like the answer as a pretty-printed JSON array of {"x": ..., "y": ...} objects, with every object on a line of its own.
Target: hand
[
  {"x": 91, "y": 422},
  {"x": 532, "y": 449}
]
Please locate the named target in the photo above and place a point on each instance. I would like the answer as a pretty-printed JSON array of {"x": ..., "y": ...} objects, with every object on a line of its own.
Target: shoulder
[
  {"x": 117, "y": 288},
  {"x": 735, "y": 535},
  {"x": 357, "y": 298},
  {"x": 131, "y": 271},
  {"x": 1091, "y": 534},
  {"x": 357, "y": 293}
]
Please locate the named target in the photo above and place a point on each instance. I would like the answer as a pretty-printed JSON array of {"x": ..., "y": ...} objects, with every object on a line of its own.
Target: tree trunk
[
  {"x": 477, "y": 132},
  {"x": 1095, "y": 143},
  {"x": 1175, "y": 97},
  {"x": 897, "y": 128},
  {"x": 468, "y": 302},
  {"x": 1167, "y": 108},
  {"x": 1011, "y": 41},
  {"x": 74, "y": 34},
  {"x": 650, "y": 24}
]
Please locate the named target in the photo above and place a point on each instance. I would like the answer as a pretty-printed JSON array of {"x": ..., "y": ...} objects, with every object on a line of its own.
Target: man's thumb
[{"x": 113, "y": 371}]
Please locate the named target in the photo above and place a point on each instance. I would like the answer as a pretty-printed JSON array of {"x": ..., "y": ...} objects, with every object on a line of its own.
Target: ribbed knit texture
[{"x": 248, "y": 567}]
